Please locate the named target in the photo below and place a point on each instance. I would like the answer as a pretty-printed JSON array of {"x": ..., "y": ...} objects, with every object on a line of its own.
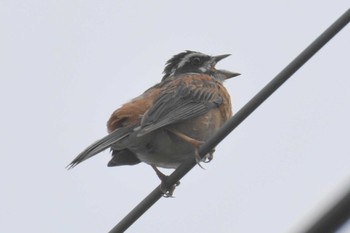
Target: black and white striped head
[{"x": 196, "y": 62}]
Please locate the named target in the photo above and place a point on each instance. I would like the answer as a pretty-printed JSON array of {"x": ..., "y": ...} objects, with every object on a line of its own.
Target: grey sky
[{"x": 66, "y": 65}]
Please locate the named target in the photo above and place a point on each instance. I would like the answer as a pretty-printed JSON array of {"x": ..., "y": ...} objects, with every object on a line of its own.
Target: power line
[
  {"x": 238, "y": 118},
  {"x": 334, "y": 218}
]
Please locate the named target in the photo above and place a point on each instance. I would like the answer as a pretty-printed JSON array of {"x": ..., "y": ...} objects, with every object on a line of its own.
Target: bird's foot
[
  {"x": 206, "y": 159},
  {"x": 209, "y": 157},
  {"x": 167, "y": 191},
  {"x": 198, "y": 158}
]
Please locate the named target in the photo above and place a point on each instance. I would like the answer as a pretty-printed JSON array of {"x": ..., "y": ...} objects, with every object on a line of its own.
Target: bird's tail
[{"x": 100, "y": 146}]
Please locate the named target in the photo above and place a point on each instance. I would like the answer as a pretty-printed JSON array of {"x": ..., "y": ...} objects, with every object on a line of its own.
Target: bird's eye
[{"x": 196, "y": 61}]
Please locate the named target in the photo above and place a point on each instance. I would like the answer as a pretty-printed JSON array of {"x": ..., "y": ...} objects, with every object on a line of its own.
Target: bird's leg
[
  {"x": 167, "y": 192},
  {"x": 196, "y": 144}
]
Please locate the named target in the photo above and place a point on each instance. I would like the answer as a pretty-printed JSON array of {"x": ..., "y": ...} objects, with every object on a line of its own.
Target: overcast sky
[{"x": 66, "y": 65}]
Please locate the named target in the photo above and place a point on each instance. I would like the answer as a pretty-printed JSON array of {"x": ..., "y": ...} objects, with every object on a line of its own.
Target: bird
[{"x": 165, "y": 125}]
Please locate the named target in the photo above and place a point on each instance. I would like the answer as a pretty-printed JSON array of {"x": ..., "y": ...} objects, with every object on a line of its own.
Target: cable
[{"x": 334, "y": 218}]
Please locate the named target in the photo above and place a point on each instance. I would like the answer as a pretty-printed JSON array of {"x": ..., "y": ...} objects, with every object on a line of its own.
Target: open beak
[
  {"x": 227, "y": 74},
  {"x": 224, "y": 74},
  {"x": 220, "y": 57}
]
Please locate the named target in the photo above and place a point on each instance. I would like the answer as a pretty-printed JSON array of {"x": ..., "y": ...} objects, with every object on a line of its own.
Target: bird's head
[{"x": 196, "y": 62}]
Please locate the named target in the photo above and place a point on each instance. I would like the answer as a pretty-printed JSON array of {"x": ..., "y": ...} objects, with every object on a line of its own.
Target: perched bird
[{"x": 166, "y": 124}]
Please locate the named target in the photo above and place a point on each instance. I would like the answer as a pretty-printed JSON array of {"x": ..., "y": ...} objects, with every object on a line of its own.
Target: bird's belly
[{"x": 163, "y": 148}]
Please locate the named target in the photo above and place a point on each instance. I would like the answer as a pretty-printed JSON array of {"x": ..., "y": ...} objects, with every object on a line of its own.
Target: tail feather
[{"x": 100, "y": 145}]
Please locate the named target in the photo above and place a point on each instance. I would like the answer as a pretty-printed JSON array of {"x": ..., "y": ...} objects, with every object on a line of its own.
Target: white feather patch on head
[
  {"x": 188, "y": 57},
  {"x": 203, "y": 69}
]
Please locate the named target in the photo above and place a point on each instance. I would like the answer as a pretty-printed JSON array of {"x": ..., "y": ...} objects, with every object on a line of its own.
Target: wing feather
[{"x": 180, "y": 101}]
